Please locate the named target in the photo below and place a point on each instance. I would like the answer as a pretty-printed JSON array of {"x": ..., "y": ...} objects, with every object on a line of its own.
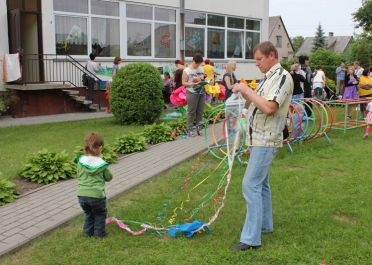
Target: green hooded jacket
[{"x": 92, "y": 173}]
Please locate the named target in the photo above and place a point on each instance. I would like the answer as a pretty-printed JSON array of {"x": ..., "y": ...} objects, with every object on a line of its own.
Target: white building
[{"x": 154, "y": 31}]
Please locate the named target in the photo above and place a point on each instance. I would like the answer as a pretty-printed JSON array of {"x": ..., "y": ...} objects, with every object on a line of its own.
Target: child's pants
[{"x": 95, "y": 215}]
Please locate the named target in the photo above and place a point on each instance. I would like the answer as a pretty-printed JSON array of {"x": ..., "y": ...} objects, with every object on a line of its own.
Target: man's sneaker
[{"x": 243, "y": 246}]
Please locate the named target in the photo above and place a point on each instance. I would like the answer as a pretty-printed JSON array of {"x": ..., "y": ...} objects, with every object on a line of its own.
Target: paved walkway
[
  {"x": 9, "y": 121},
  {"x": 50, "y": 206}
]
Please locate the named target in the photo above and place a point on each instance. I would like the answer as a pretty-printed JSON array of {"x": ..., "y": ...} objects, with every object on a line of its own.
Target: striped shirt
[{"x": 267, "y": 130}]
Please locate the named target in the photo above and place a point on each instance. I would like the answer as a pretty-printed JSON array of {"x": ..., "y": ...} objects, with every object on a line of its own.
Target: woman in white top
[{"x": 319, "y": 81}]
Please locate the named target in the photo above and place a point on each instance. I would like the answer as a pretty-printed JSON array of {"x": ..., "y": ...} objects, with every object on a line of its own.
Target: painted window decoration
[
  {"x": 76, "y": 27},
  {"x": 151, "y": 31},
  {"x": 235, "y": 42},
  {"x": 139, "y": 39},
  {"x": 165, "y": 41},
  {"x": 225, "y": 36},
  {"x": 105, "y": 37},
  {"x": 251, "y": 40},
  {"x": 194, "y": 41},
  {"x": 71, "y": 35},
  {"x": 216, "y": 43}
]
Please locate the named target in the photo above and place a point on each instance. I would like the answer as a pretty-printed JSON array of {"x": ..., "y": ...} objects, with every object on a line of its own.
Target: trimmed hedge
[{"x": 136, "y": 94}]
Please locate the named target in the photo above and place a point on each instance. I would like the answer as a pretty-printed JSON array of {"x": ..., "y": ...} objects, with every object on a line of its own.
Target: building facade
[
  {"x": 278, "y": 35},
  {"x": 155, "y": 31}
]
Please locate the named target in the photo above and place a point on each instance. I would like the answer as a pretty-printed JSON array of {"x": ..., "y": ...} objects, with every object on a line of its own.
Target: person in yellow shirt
[
  {"x": 212, "y": 88},
  {"x": 365, "y": 88}
]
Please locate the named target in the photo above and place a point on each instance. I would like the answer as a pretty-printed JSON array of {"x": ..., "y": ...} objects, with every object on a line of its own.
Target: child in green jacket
[{"x": 92, "y": 173}]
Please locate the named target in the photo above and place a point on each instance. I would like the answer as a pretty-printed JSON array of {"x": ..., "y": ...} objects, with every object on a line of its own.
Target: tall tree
[
  {"x": 297, "y": 42},
  {"x": 364, "y": 16},
  {"x": 319, "y": 39}
]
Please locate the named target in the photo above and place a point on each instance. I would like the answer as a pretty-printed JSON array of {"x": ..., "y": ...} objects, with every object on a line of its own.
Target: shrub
[
  {"x": 328, "y": 59},
  {"x": 108, "y": 154},
  {"x": 158, "y": 133},
  {"x": 331, "y": 84},
  {"x": 136, "y": 94},
  {"x": 131, "y": 143},
  {"x": 178, "y": 126},
  {"x": 46, "y": 167},
  {"x": 7, "y": 191}
]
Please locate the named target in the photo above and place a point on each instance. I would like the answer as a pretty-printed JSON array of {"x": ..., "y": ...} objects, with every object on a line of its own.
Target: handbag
[{"x": 84, "y": 78}]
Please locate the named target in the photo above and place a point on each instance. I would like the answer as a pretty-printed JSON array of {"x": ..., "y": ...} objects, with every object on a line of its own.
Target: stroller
[{"x": 329, "y": 94}]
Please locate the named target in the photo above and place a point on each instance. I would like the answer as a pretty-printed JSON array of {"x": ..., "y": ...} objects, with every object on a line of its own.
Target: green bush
[
  {"x": 328, "y": 59},
  {"x": 108, "y": 154},
  {"x": 331, "y": 84},
  {"x": 130, "y": 143},
  {"x": 136, "y": 94},
  {"x": 46, "y": 167},
  {"x": 158, "y": 133},
  {"x": 178, "y": 126},
  {"x": 7, "y": 191}
]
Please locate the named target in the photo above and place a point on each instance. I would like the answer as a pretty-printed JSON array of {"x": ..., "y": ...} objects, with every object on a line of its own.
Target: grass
[
  {"x": 322, "y": 211},
  {"x": 18, "y": 142}
]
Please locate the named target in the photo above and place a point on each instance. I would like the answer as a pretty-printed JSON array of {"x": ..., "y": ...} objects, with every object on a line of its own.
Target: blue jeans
[
  {"x": 95, "y": 215},
  {"x": 256, "y": 191}
]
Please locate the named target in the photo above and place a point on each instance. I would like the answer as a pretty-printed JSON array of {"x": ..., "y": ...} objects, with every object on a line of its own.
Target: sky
[{"x": 302, "y": 17}]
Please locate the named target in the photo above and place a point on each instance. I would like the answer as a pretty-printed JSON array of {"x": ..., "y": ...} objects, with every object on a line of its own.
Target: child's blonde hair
[{"x": 93, "y": 143}]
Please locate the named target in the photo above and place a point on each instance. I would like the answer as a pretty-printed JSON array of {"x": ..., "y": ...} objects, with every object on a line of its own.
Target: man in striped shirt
[{"x": 267, "y": 113}]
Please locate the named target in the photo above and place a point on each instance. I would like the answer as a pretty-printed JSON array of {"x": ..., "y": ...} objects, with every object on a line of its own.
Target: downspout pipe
[{"x": 182, "y": 29}]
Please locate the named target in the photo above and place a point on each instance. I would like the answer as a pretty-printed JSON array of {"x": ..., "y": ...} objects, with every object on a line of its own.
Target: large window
[
  {"x": 226, "y": 36},
  {"x": 139, "y": 39},
  {"x": 85, "y": 26},
  {"x": 151, "y": 31},
  {"x": 71, "y": 35},
  {"x": 194, "y": 41}
]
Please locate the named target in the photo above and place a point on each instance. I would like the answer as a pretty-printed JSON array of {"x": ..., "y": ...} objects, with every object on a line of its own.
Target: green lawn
[
  {"x": 17, "y": 142},
  {"x": 322, "y": 211}
]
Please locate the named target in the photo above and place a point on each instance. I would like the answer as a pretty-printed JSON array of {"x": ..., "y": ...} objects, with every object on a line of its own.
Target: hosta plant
[
  {"x": 7, "y": 191},
  {"x": 46, "y": 167},
  {"x": 108, "y": 154},
  {"x": 130, "y": 143},
  {"x": 158, "y": 133}
]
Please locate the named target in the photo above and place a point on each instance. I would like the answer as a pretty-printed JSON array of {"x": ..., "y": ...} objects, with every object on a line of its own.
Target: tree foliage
[
  {"x": 319, "y": 39},
  {"x": 364, "y": 16},
  {"x": 297, "y": 42},
  {"x": 360, "y": 50},
  {"x": 328, "y": 59},
  {"x": 136, "y": 94}
]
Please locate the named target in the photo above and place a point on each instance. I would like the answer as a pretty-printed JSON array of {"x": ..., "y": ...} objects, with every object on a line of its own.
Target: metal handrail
[{"x": 42, "y": 68}]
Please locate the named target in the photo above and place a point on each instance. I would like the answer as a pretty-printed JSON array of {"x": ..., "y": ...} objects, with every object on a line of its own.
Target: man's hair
[
  {"x": 266, "y": 48},
  {"x": 302, "y": 59},
  {"x": 198, "y": 58},
  {"x": 92, "y": 56},
  {"x": 93, "y": 141}
]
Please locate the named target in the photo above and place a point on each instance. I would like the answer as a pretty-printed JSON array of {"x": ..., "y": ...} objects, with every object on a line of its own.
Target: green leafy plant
[
  {"x": 108, "y": 154},
  {"x": 130, "y": 143},
  {"x": 331, "y": 84},
  {"x": 158, "y": 133},
  {"x": 46, "y": 167},
  {"x": 178, "y": 126},
  {"x": 136, "y": 94},
  {"x": 7, "y": 191},
  {"x": 6, "y": 100}
]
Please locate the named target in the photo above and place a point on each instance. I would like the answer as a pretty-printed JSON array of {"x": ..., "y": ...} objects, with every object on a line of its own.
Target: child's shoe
[{"x": 365, "y": 136}]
